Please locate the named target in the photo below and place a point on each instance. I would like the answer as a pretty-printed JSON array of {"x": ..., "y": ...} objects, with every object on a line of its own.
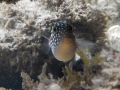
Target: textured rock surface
[
  {"x": 113, "y": 34},
  {"x": 9, "y": 1},
  {"x": 21, "y": 26}
]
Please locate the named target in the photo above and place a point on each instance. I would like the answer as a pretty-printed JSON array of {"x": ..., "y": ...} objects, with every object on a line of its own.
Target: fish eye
[
  {"x": 54, "y": 29},
  {"x": 71, "y": 28}
]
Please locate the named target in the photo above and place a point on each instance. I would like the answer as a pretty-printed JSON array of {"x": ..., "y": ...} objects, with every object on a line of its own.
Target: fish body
[
  {"x": 62, "y": 41},
  {"x": 64, "y": 44}
]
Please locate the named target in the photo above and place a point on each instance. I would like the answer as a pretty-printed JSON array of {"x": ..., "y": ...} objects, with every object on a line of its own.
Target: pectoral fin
[{"x": 45, "y": 45}]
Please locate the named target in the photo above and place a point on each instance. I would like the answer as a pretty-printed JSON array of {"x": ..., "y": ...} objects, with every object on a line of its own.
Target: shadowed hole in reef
[
  {"x": 78, "y": 65},
  {"x": 11, "y": 81},
  {"x": 10, "y": 76}
]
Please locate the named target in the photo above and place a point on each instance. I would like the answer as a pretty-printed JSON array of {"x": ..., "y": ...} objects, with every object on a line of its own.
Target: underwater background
[{"x": 25, "y": 66}]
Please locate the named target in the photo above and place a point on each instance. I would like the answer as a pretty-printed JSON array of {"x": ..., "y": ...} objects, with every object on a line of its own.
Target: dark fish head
[{"x": 62, "y": 41}]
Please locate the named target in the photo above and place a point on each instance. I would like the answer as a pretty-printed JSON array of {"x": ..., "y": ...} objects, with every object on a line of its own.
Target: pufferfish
[{"x": 63, "y": 42}]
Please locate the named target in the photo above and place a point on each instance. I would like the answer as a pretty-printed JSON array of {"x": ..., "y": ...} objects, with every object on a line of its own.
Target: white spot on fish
[{"x": 57, "y": 42}]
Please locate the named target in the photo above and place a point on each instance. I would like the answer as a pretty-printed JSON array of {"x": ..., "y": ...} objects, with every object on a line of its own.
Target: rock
[
  {"x": 55, "y": 87},
  {"x": 1, "y": 88},
  {"x": 21, "y": 45},
  {"x": 113, "y": 35}
]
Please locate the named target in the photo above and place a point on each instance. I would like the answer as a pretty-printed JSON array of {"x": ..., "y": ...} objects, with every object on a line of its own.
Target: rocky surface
[
  {"x": 114, "y": 38},
  {"x": 23, "y": 24}
]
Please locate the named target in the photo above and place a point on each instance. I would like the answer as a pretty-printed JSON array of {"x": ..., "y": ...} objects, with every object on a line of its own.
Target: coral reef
[
  {"x": 9, "y": 1},
  {"x": 21, "y": 29},
  {"x": 113, "y": 40},
  {"x": 46, "y": 83},
  {"x": 105, "y": 79},
  {"x": 71, "y": 79},
  {"x": 109, "y": 77}
]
